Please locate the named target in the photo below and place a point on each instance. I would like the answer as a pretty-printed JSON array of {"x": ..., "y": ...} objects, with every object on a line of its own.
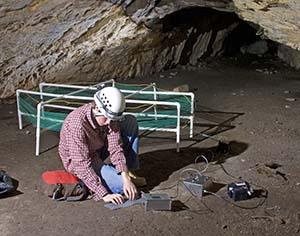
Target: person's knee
[
  {"x": 111, "y": 179},
  {"x": 108, "y": 170}
]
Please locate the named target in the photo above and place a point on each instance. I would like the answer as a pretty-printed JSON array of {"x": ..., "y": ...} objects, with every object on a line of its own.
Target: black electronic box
[{"x": 239, "y": 191}]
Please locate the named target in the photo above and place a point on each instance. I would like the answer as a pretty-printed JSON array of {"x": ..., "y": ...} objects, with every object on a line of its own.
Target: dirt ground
[{"x": 261, "y": 104}]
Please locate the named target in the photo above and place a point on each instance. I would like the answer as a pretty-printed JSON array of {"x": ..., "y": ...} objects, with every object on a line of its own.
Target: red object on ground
[{"x": 59, "y": 177}]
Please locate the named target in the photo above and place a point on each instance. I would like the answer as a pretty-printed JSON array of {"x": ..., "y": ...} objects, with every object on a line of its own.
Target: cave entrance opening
[{"x": 209, "y": 33}]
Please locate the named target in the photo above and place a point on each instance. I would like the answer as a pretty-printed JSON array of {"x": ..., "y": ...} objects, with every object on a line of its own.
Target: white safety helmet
[{"x": 111, "y": 102}]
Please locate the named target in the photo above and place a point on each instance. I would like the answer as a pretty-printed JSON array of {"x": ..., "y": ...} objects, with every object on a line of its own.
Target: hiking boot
[
  {"x": 137, "y": 180},
  {"x": 58, "y": 192}
]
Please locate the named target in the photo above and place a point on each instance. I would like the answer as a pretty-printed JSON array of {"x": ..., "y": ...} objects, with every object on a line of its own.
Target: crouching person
[{"x": 98, "y": 131}]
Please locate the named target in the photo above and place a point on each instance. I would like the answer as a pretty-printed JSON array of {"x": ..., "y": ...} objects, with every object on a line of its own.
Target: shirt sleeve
[
  {"x": 82, "y": 165},
  {"x": 115, "y": 149}
]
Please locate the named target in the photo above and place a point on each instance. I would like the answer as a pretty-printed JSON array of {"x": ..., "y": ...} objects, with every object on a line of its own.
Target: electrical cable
[
  {"x": 200, "y": 174},
  {"x": 216, "y": 195},
  {"x": 236, "y": 205},
  {"x": 240, "y": 179},
  {"x": 191, "y": 170},
  {"x": 180, "y": 177},
  {"x": 170, "y": 187},
  {"x": 205, "y": 159}
]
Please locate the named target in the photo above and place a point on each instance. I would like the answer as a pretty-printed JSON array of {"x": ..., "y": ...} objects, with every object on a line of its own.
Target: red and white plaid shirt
[{"x": 80, "y": 137}]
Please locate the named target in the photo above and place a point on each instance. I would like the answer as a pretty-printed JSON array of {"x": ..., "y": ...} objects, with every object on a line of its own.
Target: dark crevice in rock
[
  {"x": 196, "y": 22},
  {"x": 243, "y": 34},
  {"x": 201, "y": 18}
]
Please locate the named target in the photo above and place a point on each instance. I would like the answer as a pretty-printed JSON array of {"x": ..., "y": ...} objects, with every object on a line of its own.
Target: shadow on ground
[{"x": 158, "y": 165}]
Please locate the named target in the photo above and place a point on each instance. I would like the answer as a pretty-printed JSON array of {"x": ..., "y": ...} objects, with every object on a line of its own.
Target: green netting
[
  {"x": 150, "y": 122},
  {"x": 52, "y": 118},
  {"x": 184, "y": 101}
]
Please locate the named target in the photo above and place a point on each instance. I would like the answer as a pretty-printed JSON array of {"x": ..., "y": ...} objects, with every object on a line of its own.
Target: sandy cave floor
[{"x": 264, "y": 129}]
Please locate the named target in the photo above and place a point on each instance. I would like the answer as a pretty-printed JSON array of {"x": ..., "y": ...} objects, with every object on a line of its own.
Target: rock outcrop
[
  {"x": 89, "y": 41},
  {"x": 61, "y": 41},
  {"x": 277, "y": 20},
  {"x": 291, "y": 56}
]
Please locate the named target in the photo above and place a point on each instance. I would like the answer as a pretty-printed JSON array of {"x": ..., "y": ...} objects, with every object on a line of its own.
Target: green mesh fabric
[
  {"x": 151, "y": 122},
  {"x": 52, "y": 118},
  {"x": 184, "y": 101}
]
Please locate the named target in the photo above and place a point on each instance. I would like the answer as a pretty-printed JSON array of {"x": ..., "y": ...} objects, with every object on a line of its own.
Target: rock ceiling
[{"x": 67, "y": 40}]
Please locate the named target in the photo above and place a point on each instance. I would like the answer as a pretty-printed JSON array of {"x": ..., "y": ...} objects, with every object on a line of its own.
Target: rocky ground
[{"x": 261, "y": 100}]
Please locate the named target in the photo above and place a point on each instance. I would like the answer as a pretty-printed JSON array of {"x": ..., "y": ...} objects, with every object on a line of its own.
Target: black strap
[{"x": 70, "y": 192}]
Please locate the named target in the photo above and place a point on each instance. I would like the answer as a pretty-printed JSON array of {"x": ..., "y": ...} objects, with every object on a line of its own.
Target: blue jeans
[{"x": 129, "y": 133}]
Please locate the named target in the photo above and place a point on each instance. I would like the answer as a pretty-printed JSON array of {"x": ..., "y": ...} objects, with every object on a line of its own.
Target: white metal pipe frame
[
  {"x": 151, "y": 103},
  {"x": 133, "y": 92}
]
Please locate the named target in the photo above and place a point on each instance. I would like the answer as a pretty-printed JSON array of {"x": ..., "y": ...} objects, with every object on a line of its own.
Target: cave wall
[
  {"x": 289, "y": 55},
  {"x": 73, "y": 41},
  {"x": 276, "y": 20},
  {"x": 56, "y": 41},
  {"x": 90, "y": 41}
]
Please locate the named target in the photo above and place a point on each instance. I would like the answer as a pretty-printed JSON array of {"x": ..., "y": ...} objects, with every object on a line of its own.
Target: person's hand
[
  {"x": 129, "y": 188},
  {"x": 114, "y": 198}
]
